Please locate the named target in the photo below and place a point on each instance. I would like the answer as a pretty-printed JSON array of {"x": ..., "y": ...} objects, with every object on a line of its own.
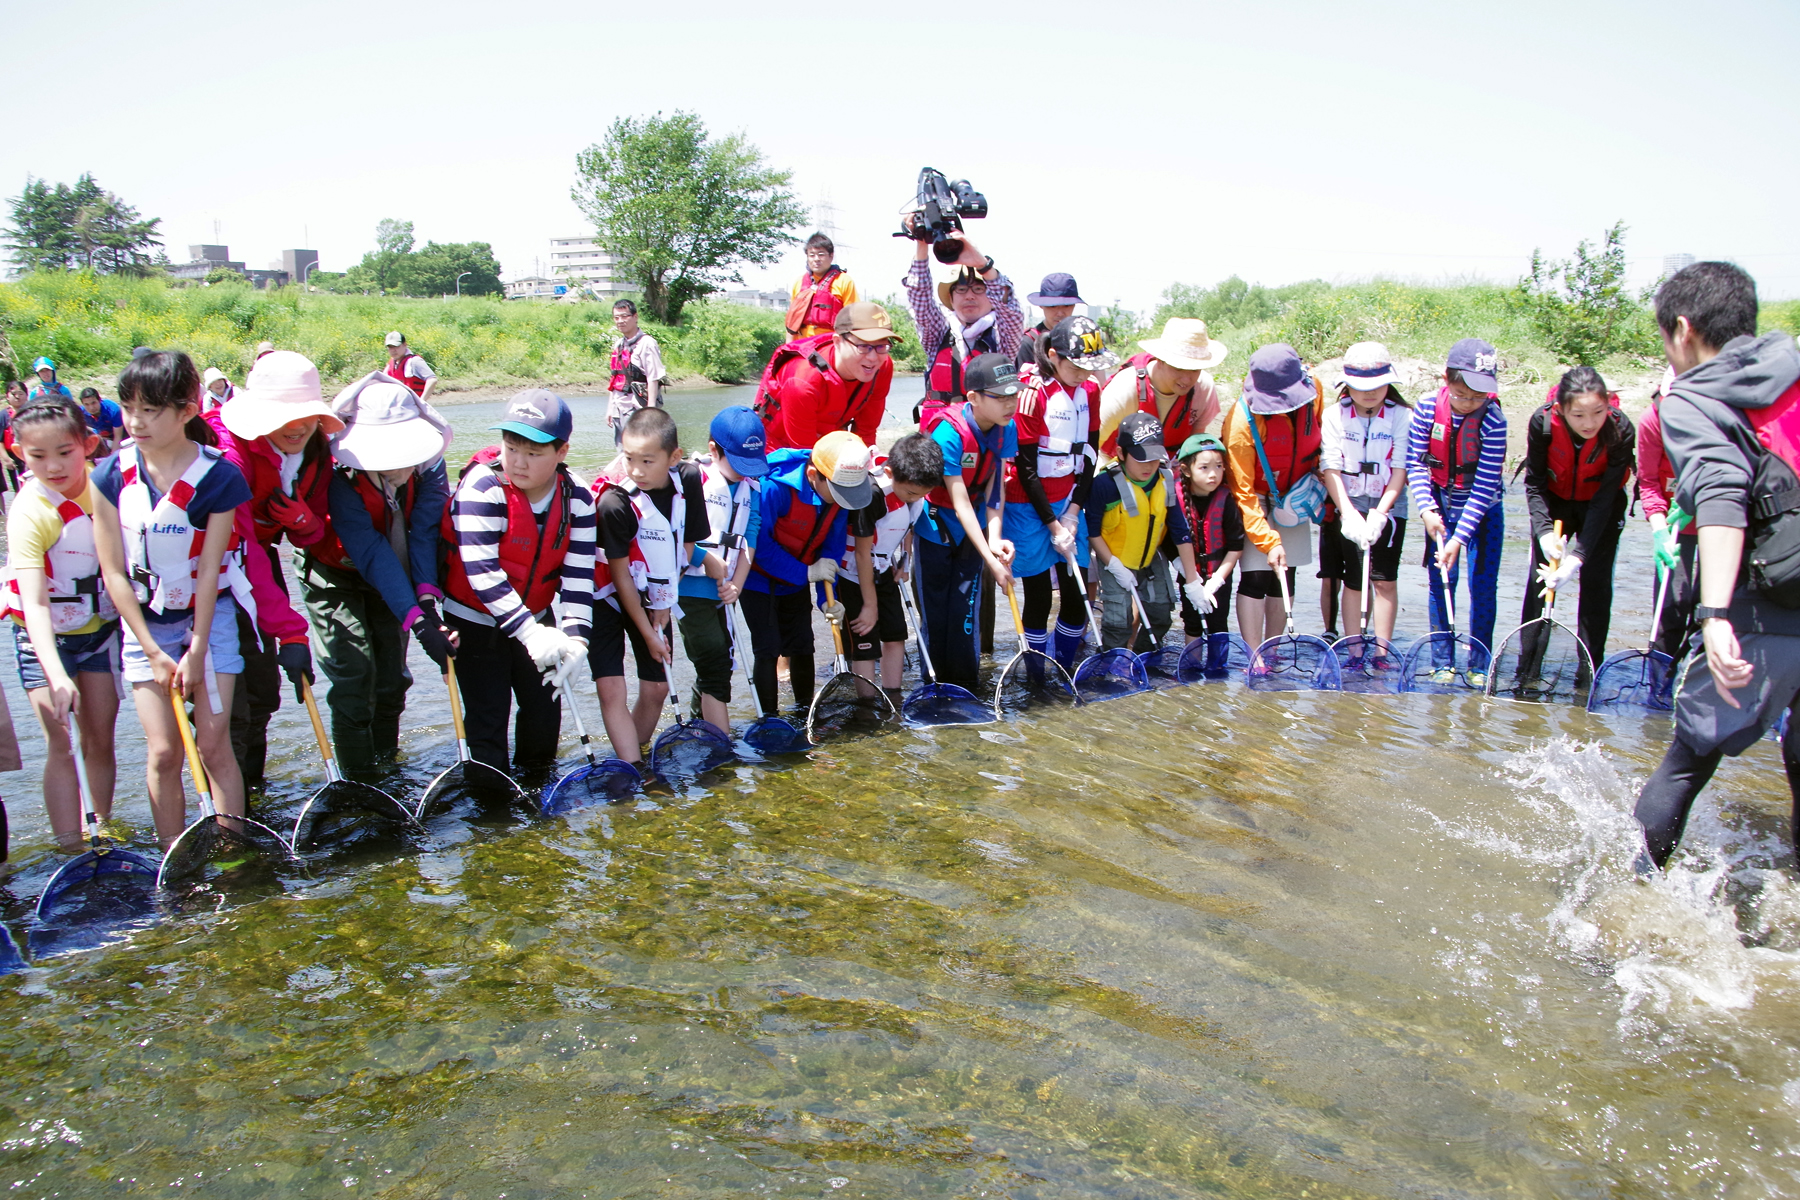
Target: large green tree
[
  {"x": 63, "y": 227},
  {"x": 683, "y": 211},
  {"x": 432, "y": 270}
]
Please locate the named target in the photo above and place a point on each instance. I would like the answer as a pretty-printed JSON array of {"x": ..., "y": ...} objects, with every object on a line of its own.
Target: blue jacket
[
  {"x": 369, "y": 549},
  {"x": 786, "y": 493}
]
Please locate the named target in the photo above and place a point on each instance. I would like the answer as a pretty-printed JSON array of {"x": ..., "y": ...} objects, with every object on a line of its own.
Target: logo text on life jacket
[
  {"x": 170, "y": 527},
  {"x": 969, "y": 459}
]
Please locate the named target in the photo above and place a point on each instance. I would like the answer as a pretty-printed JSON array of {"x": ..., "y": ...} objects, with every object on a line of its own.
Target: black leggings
[
  {"x": 1663, "y": 805},
  {"x": 1037, "y": 599},
  {"x": 1593, "y": 613}
]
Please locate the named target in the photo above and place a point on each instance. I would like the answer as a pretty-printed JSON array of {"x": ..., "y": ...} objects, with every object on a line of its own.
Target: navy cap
[
  {"x": 1058, "y": 288},
  {"x": 1478, "y": 361},
  {"x": 739, "y": 433},
  {"x": 538, "y": 415},
  {"x": 995, "y": 374},
  {"x": 1141, "y": 437}
]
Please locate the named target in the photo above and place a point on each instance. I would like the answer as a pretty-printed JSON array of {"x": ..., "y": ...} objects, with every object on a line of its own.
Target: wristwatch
[{"x": 1703, "y": 612}]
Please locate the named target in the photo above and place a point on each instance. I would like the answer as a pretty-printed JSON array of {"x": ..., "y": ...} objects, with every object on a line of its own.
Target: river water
[{"x": 1200, "y": 942}]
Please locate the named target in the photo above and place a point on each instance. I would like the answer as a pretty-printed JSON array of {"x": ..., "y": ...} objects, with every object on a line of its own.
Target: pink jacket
[
  {"x": 275, "y": 614},
  {"x": 1654, "y": 473}
]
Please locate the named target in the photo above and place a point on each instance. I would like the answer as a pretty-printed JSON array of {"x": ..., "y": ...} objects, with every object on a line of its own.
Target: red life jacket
[
  {"x": 983, "y": 458},
  {"x": 768, "y": 388},
  {"x": 1453, "y": 466},
  {"x": 397, "y": 370},
  {"x": 944, "y": 377},
  {"x": 1773, "y": 551},
  {"x": 1575, "y": 474},
  {"x": 312, "y": 487},
  {"x": 1208, "y": 533},
  {"x": 1292, "y": 442},
  {"x": 802, "y": 529},
  {"x": 328, "y": 549},
  {"x": 815, "y": 303},
  {"x": 1177, "y": 428},
  {"x": 624, "y": 373},
  {"x": 530, "y": 554}
]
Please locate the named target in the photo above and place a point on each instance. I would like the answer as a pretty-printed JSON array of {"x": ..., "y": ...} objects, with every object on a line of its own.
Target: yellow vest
[{"x": 1131, "y": 528}]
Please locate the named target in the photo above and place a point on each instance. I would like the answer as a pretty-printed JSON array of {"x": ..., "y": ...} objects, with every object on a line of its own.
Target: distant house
[
  {"x": 535, "y": 287},
  {"x": 207, "y": 259},
  {"x": 755, "y": 299}
]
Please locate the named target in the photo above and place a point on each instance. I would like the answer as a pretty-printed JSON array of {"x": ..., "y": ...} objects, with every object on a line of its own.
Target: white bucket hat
[
  {"x": 386, "y": 427},
  {"x": 1184, "y": 345},
  {"x": 283, "y": 386},
  {"x": 1368, "y": 366}
]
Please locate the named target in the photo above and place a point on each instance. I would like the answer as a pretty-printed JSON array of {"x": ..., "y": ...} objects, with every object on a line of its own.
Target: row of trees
[
  {"x": 394, "y": 267},
  {"x": 59, "y": 227}
]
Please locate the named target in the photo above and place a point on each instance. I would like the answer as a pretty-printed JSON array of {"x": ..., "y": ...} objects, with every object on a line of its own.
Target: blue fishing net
[
  {"x": 1213, "y": 658},
  {"x": 1370, "y": 665},
  {"x": 1442, "y": 663},
  {"x": 1033, "y": 680},
  {"x": 346, "y": 813},
  {"x": 1162, "y": 665},
  {"x": 1541, "y": 662},
  {"x": 604, "y": 782},
  {"x": 92, "y": 901},
  {"x": 1293, "y": 662},
  {"x": 689, "y": 749},
  {"x": 847, "y": 706},
  {"x": 774, "y": 735},
  {"x": 11, "y": 961},
  {"x": 1640, "y": 681},
  {"x": 1111, "y": 674},
  {"x": 946, "y": 704}
]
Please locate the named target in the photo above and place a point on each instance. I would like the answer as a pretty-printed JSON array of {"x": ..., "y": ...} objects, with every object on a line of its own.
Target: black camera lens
[{"x": 948, "y": 248}]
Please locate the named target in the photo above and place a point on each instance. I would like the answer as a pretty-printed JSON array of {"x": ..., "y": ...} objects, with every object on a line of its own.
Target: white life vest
[
  {"x": 1066, "y": 417},
  {"x": 162, "y": 547},
  {"x": 728, "y": 514},
  {"x": 1369, "y": 449},
  {"x": 889, "y": 530},
  {"x": 658, "y": 565},
  {"x": 71, "y": 567}
]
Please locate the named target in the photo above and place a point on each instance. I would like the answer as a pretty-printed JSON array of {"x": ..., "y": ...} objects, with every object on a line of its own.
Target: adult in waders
[
  {"x": 831, "y": 381},
  {"x": 1454, "y": 462},
  {"x": 1056, "y": 298},
  {"x": 1731, "y": 425},
  {"x": 1579, "y": 450},
  {"x": 371, "y": 577},
  {"x": 636, "y": 366},
  {"x": 823, "y": 291},
  {"x": 1171, "y": 379},
  {"x": 1274, "y": 437},
  {"x": 405, "y": 367},
  {"x": 1047, "y": 482},
  {"x": 276, "y": 430}
]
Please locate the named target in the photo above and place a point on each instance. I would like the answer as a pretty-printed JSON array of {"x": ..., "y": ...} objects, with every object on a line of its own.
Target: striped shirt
[
  {"x": 1471, "y": 505},
  {"x": 478, "y": 516},
  {"x": 932, "y": 320}
]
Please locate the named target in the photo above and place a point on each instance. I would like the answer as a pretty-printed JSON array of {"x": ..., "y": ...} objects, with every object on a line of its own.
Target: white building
[
  {"x": 579, "y": 261},
  {"x": 535, "y": 287}
]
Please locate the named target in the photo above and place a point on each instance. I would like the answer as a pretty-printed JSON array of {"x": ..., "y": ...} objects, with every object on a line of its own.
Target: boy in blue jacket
[{"x": 807, "y": 497}]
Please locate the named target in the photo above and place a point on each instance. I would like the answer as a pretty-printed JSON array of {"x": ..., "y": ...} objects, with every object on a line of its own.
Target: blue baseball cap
[
  {"x": 538, "y": 415},
  {"x": 739, "y": 433},
  {"x": 1478, "y": 361}
]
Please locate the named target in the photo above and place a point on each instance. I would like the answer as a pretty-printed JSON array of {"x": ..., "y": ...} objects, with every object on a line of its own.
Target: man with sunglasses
[{"x": 831, "y": 381}]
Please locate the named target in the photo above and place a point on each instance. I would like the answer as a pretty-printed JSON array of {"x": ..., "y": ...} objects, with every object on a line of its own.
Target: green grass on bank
[{"x": 90, "y": 323}]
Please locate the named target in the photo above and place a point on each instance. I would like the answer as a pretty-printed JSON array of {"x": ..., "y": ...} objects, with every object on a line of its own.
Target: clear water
[{"x": 1197, "y": 942}]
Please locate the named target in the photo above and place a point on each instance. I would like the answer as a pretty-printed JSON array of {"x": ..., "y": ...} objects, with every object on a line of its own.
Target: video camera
[{"x": 938, "y": 212}]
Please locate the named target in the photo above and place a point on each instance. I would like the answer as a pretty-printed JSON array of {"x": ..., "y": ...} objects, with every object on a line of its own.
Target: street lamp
[
  {"x": 306, "y": 274},
  {"x": 459, "y": 280}
]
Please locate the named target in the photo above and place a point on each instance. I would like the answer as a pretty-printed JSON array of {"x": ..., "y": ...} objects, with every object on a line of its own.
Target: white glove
[
  {"x": 1062, "y": 539},
  {"x": 1553, "y": 546},
  {"x": 546, "y": 644},
  {"x": 1373, "y": 522},
  {"x": 1122, "y": 574},
  {"x": 834, "y": 612},
  {"x": 1560, "y": 574},
  {"x": 823, "y": 571},
  {"x": 1350, "y": 524},
  {"x": 573, "y": 654},
  {"x": 562, "y": 680},
  {"x": 1198, "y": 596}
]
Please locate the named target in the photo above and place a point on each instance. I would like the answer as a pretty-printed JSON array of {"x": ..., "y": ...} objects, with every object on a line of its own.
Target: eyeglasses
[
  {"x": 974, "y": 289},
  {"x": 875, "y": 348}
]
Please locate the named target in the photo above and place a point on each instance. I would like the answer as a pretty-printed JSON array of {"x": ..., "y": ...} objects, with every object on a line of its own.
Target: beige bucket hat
[{"x": 1184, "y": 344}]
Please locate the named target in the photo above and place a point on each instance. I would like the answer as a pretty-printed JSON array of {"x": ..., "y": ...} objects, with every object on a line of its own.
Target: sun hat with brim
[
  {"x": 1367, "y": 366},
  {"x": 283, "y": 386},
  {"x": 1057, "y": 289},
  {"x": 387, "y": 427},
  {"x": 968, "y": 276},
  {"x": 1184, "y": 345},
  {"x": 1278, "y": 381},
  {"x": 844, "y": 460}
]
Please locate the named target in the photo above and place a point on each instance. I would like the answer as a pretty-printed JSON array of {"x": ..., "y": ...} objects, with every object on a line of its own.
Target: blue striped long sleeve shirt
[
  {"x": 1473, "y": 504},
  {"x": 478, "y": 516}
]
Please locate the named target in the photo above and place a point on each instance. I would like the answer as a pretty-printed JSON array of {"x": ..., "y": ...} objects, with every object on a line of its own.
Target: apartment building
[{"x": 581, "y": 262}]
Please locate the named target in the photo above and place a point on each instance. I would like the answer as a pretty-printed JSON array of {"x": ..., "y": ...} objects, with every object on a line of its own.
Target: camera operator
[{"x": 983, "y": 317}]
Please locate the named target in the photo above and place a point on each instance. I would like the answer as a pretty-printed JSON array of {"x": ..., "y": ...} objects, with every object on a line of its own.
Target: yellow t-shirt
[{"x": 34, "y": 525}]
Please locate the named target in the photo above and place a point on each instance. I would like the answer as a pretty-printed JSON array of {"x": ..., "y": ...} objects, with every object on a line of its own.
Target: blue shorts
[
  {"x": 173, "y": 637},
  {"x": 1032, "y": 552},
  {"x": 95, "y": 653}
]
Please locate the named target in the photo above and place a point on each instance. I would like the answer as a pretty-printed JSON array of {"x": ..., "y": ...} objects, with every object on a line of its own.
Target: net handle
[
  {"x": 837, "y": 636},
  {"x": 732, "y": 617},
  {"x": 1444, "y": 588},
  {"x": 1081, "y": 590},
  {"x": 89, "y": 816},
  {"x": 1550, "y": 599},
  {"x": 915, "y": 626},
  {"x": 456, "y": 713},
  {"x": 1662, "y": 593},
  {"x": 318, "y": 726},
  {"x": 201, "y": 785},
  {"x": 1287, "y": 602},
  {"x": 1368, "y": 589},
  {"x": 1143, "y": 619}
]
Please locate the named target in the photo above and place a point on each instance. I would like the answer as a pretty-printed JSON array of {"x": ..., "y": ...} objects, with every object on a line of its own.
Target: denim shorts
[
  {"x": 94, "y": 653},
  {"x": 174, "y": 636}
]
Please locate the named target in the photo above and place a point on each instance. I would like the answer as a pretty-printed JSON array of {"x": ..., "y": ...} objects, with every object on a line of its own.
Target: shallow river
[{"x": 1200, "y": 942}]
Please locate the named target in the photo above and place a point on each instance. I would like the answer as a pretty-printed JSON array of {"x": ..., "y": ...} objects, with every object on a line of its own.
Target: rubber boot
[
  {"x": 384, "y": 736},
  {"x": 1068, "y": 642}
]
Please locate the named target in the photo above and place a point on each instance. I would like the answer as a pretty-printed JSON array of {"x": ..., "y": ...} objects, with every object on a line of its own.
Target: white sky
[{"x": 1133, "y": 144}]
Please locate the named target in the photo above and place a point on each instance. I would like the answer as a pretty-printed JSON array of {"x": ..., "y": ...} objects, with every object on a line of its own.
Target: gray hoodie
[{"x": 1714, "y": 451}]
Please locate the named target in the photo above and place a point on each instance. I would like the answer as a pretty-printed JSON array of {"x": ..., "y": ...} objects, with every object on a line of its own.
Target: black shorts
[
  {"x": 606, "y": 647},
  {"x": 1341, "y": 559},
  {"x": 890, "y": 619},
  {"x": 1260, "y": 585}
]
